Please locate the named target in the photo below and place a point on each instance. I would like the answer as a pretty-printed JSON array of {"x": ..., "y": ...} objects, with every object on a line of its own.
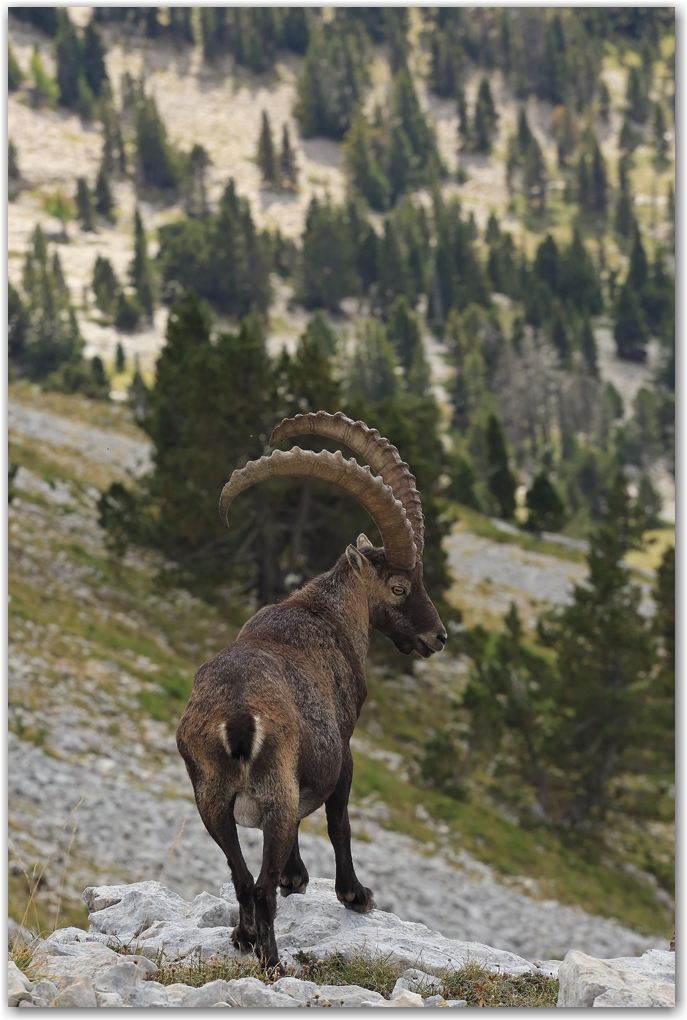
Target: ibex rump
[{"x": 265, "y": 735}]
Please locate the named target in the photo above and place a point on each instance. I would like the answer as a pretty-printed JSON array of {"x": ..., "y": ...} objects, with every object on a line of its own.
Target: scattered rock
[
  {"x": 18, "y": 985},
  {"x": 405, "y": 998},
  {"x": 628, "y": 981},
  {"x": 75, "y": 992},
  {"x": 44, "y": 993}
]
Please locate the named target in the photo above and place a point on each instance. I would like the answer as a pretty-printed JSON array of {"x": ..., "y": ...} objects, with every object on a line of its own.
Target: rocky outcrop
[
  {"x": 648, "y": 980},
  {"x": 148, "y": 922}
]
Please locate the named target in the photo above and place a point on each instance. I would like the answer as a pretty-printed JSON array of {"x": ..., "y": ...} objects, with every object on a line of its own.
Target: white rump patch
[{"x": 258, "y": 737}]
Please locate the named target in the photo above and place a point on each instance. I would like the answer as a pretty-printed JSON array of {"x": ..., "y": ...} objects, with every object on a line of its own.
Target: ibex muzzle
[{"x": 265, "y": 735}]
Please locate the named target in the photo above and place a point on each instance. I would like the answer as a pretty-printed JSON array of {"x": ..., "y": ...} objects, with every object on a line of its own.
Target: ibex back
[{"x": 265, "y": 735}]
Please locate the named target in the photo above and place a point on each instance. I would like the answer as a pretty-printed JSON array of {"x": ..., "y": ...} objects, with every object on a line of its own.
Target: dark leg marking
[
  {"x": 294, "y": 877},
  {"x": 349, "y": 890}
]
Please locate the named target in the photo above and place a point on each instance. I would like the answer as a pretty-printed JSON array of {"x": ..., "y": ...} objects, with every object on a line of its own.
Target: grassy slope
[{"x": 397, "y": 718}]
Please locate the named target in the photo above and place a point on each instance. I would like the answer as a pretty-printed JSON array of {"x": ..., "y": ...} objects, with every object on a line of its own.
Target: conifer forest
[{"x": 455, "y": 224}]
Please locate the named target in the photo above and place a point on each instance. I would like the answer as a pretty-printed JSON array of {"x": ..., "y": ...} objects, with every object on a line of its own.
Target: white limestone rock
[
  {"x": 151, "y": 917},
  {"x": 18, "y": 985},
  {"x": 643, "y": 981}
]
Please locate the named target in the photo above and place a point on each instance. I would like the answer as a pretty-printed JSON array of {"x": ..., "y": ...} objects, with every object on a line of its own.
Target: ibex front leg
[
  {"x": 349, "y": 890},
  {"x": 294, "y": 877}
]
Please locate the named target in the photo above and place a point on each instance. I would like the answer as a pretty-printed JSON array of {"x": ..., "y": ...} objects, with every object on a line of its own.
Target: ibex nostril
[{"x": 443, "y": 638}]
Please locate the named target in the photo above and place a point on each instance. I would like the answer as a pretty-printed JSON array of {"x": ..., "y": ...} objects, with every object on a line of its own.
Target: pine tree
[
  {"x": 630, "y": 332},
  {"x": 364, "y": 172},
  {"x": 658, "y": 127},
  {"x": 84, "y": 204},
  {"x": 588, "y": 347},
  {"x": 501, "y": 482},
  {"x": 15, "y": 75},
  {"x": 120, "y": 358},
  {"x": 45, "y": 91},
  {"x": 328, "y": 268},
  {"x": 484, "y": 124},
  {"x": 605, "y": 651},
  {"x": 69, "y": 56},
  {"x": 205, "y": 414},
  {"x": 333, "y": 79},
  {"x": 266, "y": 158},
  {"x": 288, "y": 167},
  {"x": 638, "y": 273},
  {"x": 157, "y": 160},
  {"x": 624, "y": 214},
  {"x": 13, "y": 172},
  {"x": 94, "y": 69},
  {"x": 196, "y": 188},
  {"x": 372, "y": 372},
  {"x": 141, "y": 270},
  {"x": 599, "y": 182},
  {"x": 637, "y": 95},
  {"x": 419, "y": 376},
  {"x": 403, "y": 331},
  {"x": 105, "y": 285},
  {"x": 104, "y": 202},
  {"x": 546, "y": 508},
  {"x": 579, "y": 282},
  {"x": 181, "y": 24},
  {"x": 52, "y": 335}
]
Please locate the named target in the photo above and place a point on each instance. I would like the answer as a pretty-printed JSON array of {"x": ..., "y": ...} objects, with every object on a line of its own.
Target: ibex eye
[{"x": 397, "y": 590}]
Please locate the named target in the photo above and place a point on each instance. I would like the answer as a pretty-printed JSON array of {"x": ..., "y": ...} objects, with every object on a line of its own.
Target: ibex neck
[{"x": 339, "y": 595}]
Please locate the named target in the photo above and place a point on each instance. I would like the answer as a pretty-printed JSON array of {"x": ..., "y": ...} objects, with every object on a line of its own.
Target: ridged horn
[
  {"x": 373, "y": 494},
  {"x": 381, "y": 455}
]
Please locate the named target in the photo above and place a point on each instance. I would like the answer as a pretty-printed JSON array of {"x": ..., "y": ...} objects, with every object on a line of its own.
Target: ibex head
[
  {"x": 398, "y": 603},
  {"x": 400, "y": 608}
]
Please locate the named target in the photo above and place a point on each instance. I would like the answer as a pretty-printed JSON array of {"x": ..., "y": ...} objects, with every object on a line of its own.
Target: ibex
[{"x": 265, "y": 735}]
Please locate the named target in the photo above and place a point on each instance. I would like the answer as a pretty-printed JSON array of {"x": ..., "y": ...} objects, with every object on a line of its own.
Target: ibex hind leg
[
  {"x": 280, "y": 830},
  {"x": 294, "y": 877},
  {"x": 349, "y": 889},
  {"x": 218, "y": 818}
]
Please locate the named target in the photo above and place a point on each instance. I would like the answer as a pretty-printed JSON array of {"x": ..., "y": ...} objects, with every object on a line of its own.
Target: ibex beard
[{"x": 265, "y": 735}]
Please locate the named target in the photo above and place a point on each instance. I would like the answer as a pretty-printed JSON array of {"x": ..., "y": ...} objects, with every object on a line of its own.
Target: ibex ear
[
  {"x": 363, "y": 542},
  {"x": 357, "y": 561}
]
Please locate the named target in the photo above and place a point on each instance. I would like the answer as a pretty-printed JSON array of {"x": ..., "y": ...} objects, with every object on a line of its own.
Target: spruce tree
[
  {"x": 658, "y": 127},
  {"x": 52, "y": 335},
  {"x": 120, "y": 358},
  {"x": 196, "y": 188},
  {"x": 637, "y": 95},
  {"x": 69, "y": 57},
  {"x": 605, "y": 651},
  {"x": 588, "y": 347},
  {"x": 84, "y": 204},
  {"x": 333, "y": 79},
  {"x": 363, "y": 170},
  {"x": 141, "y": 270},
  {"x": 94, "y": 69},
  {"x": 403, "y": 331},
  {"x": 630, "y": 332},
  {"x": 104, "y": 202},
  {"x": 372, "y": 372},
  {"x": 15, "y": 75},
  {"x": 45, "y": 91},
  {"x": 638, "y": 273},
  {"x": 288, "y": 168},
  {"x": 599, "y": 182},
  {"x": 484, "y": 124},
  {"x": 500, "y": 480},
  {"x": 13, "y": 171},
  {"x": 105, "y": 285},
  {"x": 546, "y": 508},
  {"x": 328, "y": 266},
  {"x": 157, "y": 160},
  {"x": 266, "y": 158},
  {"x": 624, "y": 214},
  {"x": 419, "y": 376}
]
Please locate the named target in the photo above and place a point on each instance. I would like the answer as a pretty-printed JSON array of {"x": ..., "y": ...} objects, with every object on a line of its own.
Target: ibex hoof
[
  {"x": 293, "y": 884},
  {"x": 361, "y": 900},
  {"x": 244, "y": 941}
]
